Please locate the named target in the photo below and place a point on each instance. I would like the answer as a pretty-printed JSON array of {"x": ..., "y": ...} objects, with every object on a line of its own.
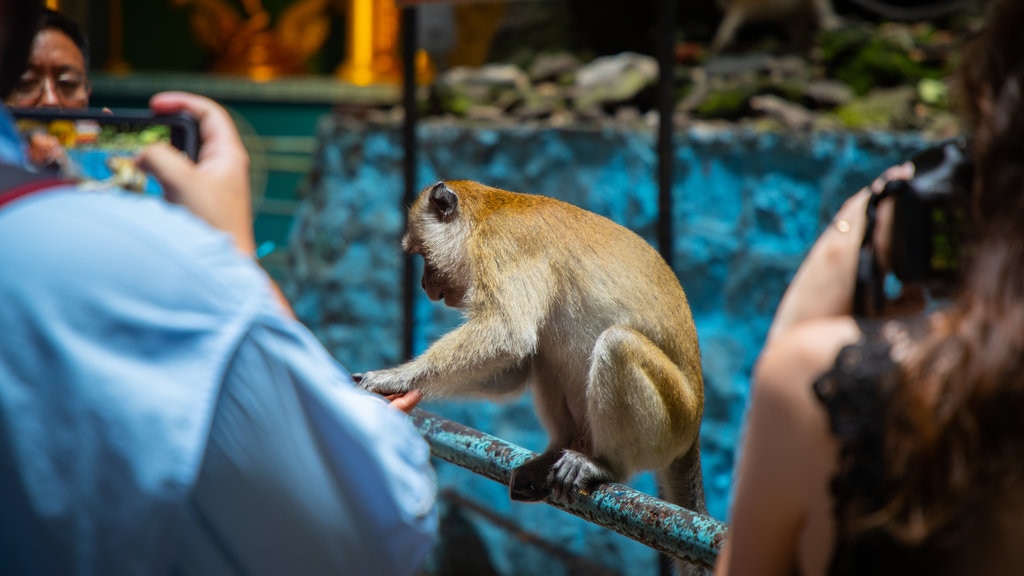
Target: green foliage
[
  {"x": 888, "y": 107},
  {"x": 727, "y": 103},
  {"x": 452, "y": 101},
  {"x": 857, "y": 117},
  {"x": 933, "y": 92},
  {"x": 864, "y": 59}
]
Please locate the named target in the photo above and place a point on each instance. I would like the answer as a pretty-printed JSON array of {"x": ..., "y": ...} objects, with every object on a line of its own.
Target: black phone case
[{"x": 184, "y": 128}]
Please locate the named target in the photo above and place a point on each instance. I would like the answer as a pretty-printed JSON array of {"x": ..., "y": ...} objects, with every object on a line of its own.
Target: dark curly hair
[{"x": 956, "y": 442}]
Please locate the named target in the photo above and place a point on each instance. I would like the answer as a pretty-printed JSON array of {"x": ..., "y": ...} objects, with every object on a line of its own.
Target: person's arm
[
  {"x": 304, "y": 474},
  {"x": 823, "y": 286},
  {"x": 216, "y": 187},
  {"x": 780, "y": 521}
]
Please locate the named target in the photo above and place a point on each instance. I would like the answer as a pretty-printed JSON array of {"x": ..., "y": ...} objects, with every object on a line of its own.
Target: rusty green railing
[{"x": 661, "y": 525}]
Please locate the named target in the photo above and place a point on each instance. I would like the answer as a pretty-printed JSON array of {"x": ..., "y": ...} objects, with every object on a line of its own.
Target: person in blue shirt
[{"x": 161, "y": 410}]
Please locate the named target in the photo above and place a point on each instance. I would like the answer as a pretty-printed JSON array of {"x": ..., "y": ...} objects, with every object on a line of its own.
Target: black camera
[{"x": 930, "y": 215}]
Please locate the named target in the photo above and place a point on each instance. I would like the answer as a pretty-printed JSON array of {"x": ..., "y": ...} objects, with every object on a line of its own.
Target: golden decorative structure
[
  {"x": 245, "y": 42},
  {"x": 248, "y": 44}
]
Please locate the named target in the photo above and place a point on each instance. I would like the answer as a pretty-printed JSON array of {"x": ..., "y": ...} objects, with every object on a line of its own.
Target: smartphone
[{"x": 101, "y": 146}]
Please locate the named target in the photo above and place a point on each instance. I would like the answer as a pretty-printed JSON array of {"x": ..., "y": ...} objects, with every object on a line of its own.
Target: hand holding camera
[
  {"x": 99, "y": 147},
  {"x": 922, "y": 243},
  {"x": 216, "y": 186},
  {"x": 825, "y": 285},
  {"x": 929, "y": 215}
]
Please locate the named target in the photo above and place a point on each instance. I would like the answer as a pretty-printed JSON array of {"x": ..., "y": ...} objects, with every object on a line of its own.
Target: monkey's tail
[{"x": 682, "y": 483}]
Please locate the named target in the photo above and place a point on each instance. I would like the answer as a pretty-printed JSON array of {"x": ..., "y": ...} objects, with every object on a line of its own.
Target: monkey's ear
[{"x": 443, "y": 201}]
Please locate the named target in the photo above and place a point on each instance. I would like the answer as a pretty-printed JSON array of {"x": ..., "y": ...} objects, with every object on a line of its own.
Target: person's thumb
[{"x": 172, "y": 169}]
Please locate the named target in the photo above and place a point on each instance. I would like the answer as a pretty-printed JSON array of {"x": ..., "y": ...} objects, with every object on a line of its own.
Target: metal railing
[{"x": 660, "y": 525}]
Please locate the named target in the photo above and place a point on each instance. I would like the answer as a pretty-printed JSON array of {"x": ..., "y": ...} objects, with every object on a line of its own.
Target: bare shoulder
[
  {"x": 788, "y": 366},
  {"x": 805, "y": 351},
  {"x": 781, "y": 521}
]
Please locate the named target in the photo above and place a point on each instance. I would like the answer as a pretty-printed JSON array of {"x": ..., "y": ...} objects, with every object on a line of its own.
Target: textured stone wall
[{"x": 747, "y": 207}]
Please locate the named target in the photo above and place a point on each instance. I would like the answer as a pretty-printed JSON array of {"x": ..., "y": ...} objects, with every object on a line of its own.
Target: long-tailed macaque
[
  {"x": 795, "y": 14},
  {"x": 740, "y": 12},
  {"x": 579, "y": 308}
]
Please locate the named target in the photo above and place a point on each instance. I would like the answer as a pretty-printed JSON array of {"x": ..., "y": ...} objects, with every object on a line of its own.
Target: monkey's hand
[
  {"x": 404, "y": 400},
  {"x": 383, "y": 382}
]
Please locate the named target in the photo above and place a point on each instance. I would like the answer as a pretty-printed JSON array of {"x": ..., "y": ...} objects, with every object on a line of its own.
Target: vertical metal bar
[
  {"x": 661, "y": 525},
  {"x": 666, "y": 108},
  {"x": 666, "y": 111},
  {"x": 409, "y": 43}
]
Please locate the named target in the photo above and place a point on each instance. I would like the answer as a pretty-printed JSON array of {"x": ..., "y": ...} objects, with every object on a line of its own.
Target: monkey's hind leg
[
  {"x": 642, "y": 413},
  {"x": 727, "y": 29},
  {"x": 530, "y": 482}
]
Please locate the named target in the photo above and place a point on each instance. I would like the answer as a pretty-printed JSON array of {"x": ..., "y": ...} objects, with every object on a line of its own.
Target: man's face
[{"x": 55, "y": 76}]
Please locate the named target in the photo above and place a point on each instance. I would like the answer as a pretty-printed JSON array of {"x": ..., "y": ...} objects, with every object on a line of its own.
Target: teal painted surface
[
  {"x": 747, "y": 207},
  {"x": 661, "y": 525}
]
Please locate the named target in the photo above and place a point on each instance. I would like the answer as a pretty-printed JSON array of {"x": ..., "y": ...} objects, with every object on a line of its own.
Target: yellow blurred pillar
[
  {"x": 372, "y": 46},
  {"x": 372, "y": 43}
]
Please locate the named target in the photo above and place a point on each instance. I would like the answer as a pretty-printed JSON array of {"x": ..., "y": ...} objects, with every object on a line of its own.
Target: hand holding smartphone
[{"x": 100, "y": 146}]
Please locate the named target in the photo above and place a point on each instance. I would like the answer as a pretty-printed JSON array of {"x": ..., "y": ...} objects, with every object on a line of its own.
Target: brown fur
[{"x": 579, "y": 308}]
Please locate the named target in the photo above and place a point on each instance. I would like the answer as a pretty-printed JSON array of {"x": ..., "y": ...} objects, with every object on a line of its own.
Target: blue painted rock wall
[{"x": 747, "y": 207}]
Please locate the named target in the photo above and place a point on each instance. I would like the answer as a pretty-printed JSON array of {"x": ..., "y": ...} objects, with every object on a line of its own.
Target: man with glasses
[
  {"x": 56, "y": 76},
  {"x": 161, "y": 410}
]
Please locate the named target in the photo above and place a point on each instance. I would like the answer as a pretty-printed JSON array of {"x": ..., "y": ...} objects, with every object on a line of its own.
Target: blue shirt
[{"x": 160, "y": 413}]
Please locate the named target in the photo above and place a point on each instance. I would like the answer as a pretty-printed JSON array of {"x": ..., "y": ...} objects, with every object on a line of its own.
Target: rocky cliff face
[{"x": 590, "y": 63}]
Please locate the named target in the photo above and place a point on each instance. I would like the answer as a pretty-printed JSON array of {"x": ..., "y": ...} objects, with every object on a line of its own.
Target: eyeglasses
[{"x": 66, "y": 87}]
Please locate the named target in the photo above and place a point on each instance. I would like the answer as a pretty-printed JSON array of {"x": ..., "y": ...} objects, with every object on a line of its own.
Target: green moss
[
  {"x": 452, "y": 102},
  {"x": 728, "y": 103},
  {"x": 864, "y": 60},
  {"x": 890, "y": 107},
  {"x": 856, "y": 118}
]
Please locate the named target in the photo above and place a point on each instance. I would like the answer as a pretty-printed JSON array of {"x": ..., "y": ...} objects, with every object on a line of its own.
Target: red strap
[
  {"x": 16, "y": 182},
  {"x": 30, "y": 188}
]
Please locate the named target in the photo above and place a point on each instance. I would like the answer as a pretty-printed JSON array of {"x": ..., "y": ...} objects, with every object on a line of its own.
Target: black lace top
[{"x": 856, "y": 393}]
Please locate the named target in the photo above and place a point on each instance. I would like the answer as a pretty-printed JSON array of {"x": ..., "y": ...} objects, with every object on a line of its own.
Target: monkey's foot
[
  {"x": 531, "y": 481},
  {"x": 575, "y": 475}
]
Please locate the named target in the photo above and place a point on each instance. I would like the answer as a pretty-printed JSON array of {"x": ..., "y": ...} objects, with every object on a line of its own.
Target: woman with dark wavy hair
[{"x": 896, "y": 445}]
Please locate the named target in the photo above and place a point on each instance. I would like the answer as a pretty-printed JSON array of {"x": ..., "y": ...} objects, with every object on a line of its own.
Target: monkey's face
[
  {"x": 438, "y": 288},
  {"x": 438, "y": 234},
  {"x": 437, "y": 281}
]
